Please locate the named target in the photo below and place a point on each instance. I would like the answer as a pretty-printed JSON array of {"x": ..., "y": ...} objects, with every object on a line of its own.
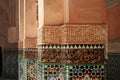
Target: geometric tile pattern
[
  {"x": 50, "y": 71},
  {"x": 85, "y": 72},
  {"x": 31, "y": 69},
  {"x": 71, "y": 46},
  {"x": 27, "y": 68},
  {"x": 21, "y": 67},
  {"x": 58, "y": 71}
]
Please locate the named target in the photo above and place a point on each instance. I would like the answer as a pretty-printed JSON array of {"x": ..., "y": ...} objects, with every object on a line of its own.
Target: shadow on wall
[
  {"x": 0, "y": 61},
  {"x": 10, "y": 64},
  {"x": 113, "y": 66}
]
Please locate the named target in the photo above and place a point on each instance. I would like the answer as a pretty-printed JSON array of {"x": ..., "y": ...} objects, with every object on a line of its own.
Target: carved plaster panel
[
  {"x": 30, "y": 43},
  {"x": 85, "y": 34},
  {"x": 73, "y": 34}
]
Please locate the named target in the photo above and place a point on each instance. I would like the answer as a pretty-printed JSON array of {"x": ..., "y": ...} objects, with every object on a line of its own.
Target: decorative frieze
[
  {"x": 71, "y": 46},
  {"x": 52, "y": 55},
  {"x": 30, "y": 52},
  {"x": 71, "y": 53},
  {"x": 73, "y": 34},
  {"x": 83, "y": 56},
  {"x": 85, "y": 34}
]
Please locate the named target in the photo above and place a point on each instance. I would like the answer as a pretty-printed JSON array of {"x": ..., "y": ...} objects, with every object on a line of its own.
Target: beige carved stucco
[
  {"x": 85, "y": 34},
  {"x": 73, "y": 34},
  {"x": 30, "y": 43}
]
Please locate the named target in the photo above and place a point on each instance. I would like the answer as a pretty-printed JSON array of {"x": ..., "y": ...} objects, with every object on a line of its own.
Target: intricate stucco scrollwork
[
  {"x": 83, "y": 56},
  {"x": 73, "y": 53},
  {"x": 85, "y": 34},
  {"x": 30, "y": 42},
  {"x": 73, "y": 34}
]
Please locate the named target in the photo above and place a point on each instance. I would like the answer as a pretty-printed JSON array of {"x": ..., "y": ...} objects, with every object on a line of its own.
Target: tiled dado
[
  {"x": 57, "y": 71},
  {"x": 85, "y": 72},
  {"x": 73, "y": 34},
  {"x": 27, "y": 68},
  {"x": 71, "y": 53},
  {"x": 50, "y": 71}
]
